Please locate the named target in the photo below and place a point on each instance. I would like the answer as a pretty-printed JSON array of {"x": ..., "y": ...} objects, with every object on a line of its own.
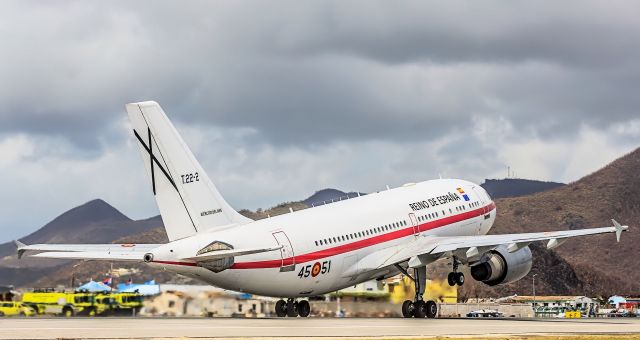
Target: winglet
[
  {"x": 20, "y": 247},
  {"x": 619, "y": 229}
]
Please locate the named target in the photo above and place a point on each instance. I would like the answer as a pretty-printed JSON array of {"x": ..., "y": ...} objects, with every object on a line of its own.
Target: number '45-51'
[{"x": 315, "y": 269}]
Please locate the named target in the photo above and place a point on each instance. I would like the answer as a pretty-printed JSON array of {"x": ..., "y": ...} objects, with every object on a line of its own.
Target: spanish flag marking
[{"x": 465, "y": 196}]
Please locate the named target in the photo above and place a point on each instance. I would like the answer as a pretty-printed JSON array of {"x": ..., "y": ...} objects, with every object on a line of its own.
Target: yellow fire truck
[
  {"x": 120, "y": 303},
  {"x": 49, "y": 301}
]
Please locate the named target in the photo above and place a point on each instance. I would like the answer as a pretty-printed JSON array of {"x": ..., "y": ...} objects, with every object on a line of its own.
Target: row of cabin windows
[
  {"x": 361, "y": 234},
  {"x": 433, "y": 215},
  {"x": 430, "y": 216}
]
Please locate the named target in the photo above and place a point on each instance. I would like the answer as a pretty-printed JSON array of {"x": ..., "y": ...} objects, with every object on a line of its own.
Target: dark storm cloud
[
  {"x": 310, "y": 73},
  {"x": 583, "y": 33}
]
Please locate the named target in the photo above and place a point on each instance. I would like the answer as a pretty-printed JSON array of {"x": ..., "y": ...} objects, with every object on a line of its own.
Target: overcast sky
[{"x": 280, "y": 99}]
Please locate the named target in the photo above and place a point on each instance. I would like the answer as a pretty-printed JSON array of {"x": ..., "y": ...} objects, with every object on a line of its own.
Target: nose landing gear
[{"x": 293, "y": 308}]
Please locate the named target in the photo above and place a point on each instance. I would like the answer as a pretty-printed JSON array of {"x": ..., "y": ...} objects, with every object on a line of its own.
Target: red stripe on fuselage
[{"x": 345, "y": 248}]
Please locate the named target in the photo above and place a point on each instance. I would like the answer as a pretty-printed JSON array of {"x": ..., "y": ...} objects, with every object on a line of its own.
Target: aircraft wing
[
  {"x": 120, "y": 252},
  {"x": 427, "y": 249}
]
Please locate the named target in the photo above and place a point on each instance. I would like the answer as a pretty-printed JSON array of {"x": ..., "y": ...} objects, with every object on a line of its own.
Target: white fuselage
[{"x": 322, "y": 246}]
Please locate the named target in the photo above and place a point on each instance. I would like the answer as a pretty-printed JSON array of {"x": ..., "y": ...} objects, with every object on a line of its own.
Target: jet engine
[{"x": 500, "y": 266}]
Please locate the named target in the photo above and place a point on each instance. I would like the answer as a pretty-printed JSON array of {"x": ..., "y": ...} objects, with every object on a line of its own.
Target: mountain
[
  {"x": 93, "y": 222},
  {"x": 513, "y": 187},
  {"x": 601, "y": 266},
  {"x": 328, "y": 195}
]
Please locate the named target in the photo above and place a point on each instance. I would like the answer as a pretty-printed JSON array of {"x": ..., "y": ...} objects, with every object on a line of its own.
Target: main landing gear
[
  {"x": 455, "y": 277},
  {"x": 419, "y": 308},
  {"x": 293, "y": 308}
]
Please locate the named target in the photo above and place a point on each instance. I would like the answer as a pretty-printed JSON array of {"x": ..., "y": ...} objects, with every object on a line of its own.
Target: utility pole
[{"x": 534, "y": 294}]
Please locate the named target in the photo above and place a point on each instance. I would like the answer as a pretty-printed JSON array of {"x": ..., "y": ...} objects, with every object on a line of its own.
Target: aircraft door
[
  {"x": 288, "y": 257},
  {"x": 481, "y": 198},
  {"x": 414, "y": 224}
]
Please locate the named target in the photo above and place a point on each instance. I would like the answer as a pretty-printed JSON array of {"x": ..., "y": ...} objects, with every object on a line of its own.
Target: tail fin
[{"x": 188, "y": 200}]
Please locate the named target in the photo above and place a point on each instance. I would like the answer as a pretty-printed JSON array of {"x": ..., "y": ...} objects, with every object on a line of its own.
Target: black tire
[
  {"x": 419, "y": 309},
  {"x": 459, "y": 279},
  {"x": 281, "y": 308},
  {"x": 304, "y": 308},
  {"x": 432, "y": 309},
  {"x": 451, "y": 279},
  {"x": 292, "y": 308},
  {"x": 407, "y": 309},
  {"x": 67, "y": 312},
  {"x": 1, "y": 314},
  {"x": 92, "y": 312}
]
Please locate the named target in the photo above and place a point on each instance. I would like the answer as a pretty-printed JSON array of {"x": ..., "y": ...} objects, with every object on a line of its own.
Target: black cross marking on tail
[{"x": 153, "y": 159}]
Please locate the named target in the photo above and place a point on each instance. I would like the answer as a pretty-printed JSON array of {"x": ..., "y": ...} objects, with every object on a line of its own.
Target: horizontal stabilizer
[
  {"x": 121, "y": 252},
  {"x": 92, "y": 255}
]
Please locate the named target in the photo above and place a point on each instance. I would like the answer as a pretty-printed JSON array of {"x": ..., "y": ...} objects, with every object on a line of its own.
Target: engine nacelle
[{"x": 500, "y": 266}]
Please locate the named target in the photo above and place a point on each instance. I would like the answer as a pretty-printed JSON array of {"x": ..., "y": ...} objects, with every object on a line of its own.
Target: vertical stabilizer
[{"x": 188, "y": 200}]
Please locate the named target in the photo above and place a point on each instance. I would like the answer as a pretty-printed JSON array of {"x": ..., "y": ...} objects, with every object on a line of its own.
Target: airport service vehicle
[
  {"x": 318, "y": 250},
  {"x": 123, "y": 303},
  {"x": 10, "y": 308},
  {"x": 485, "y": 313},
  {"x": 49, "y": 301}
]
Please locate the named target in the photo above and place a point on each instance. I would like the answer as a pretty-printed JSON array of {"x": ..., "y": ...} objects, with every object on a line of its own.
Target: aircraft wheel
[
  {"x": 419, "y": 309},
  {"x": 407, "y": 309},
  {"x": 292, "y": 308},
  {"x": 432, "y": 309},
  {"x": 67, "y": 312},
  {"x": 304, "y": 308},
  {"x": 451, "y": 279},
  {"x": 281, "y": 308},
  {"x": 459, "y": 279}
]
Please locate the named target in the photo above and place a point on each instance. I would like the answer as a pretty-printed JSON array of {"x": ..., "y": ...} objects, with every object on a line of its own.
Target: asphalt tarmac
[{"x": 145, "y": 328}]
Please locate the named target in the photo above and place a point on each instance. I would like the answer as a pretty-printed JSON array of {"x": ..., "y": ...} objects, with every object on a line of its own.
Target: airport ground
[{"x": 393, "y": 328}]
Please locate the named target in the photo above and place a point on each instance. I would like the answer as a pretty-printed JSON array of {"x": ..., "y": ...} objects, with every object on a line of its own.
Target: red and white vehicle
[{"x": 317, "y": 250}]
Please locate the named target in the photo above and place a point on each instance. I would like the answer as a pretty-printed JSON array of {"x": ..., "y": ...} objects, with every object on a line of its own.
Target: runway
[{"x": 96, "y": 328}]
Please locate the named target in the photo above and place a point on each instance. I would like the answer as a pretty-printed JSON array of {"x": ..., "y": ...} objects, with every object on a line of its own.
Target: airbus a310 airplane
[{"x": 317, "y": 250}]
